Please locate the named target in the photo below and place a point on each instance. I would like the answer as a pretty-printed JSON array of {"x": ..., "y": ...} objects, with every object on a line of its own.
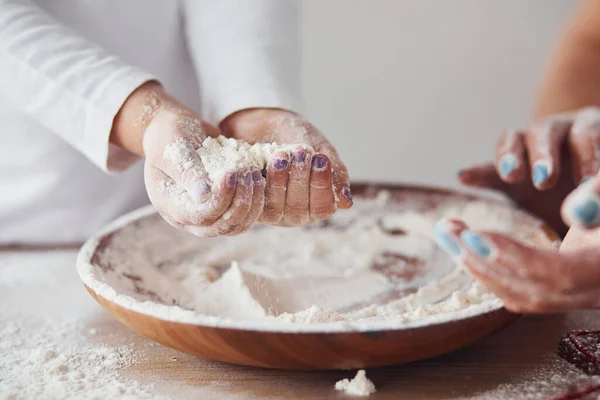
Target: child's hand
[
  {"x": 180, "y": 188},
  {"x": 539, "y": 167},
  {"x": 302, "y": 187}
]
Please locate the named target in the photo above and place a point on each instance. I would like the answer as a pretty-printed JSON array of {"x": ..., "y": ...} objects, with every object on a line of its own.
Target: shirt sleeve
[
  {"x": 246, "y": 54},
  {"x": 68, "y": 84}
]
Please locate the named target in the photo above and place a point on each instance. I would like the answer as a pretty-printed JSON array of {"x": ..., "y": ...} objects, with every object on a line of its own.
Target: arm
[
  {"x": 246, "y": 54},
  {"x": 572, "y": 80},
  {"x": 68, "y": 84}
]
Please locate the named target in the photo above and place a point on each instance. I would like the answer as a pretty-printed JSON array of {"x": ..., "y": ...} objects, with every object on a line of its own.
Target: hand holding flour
[{"x": 302, "y": 185}]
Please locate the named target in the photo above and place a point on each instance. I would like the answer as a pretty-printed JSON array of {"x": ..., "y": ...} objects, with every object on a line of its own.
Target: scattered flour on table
[
  {"x": 360, "y": 385},
  {"x": 373, "y": 266},
  {"x": 48, "y": 350},
  {"x": 51, "y": 359}
]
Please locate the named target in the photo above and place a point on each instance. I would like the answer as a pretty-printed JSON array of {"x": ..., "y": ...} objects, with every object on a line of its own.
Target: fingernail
[
  {"x": 446, "y": 242},
  {"x": 247, "y": 180},
  {"x": 348, "y": 194},
  {"x": 476, "y": 243},
  {"x": 198, "y": 189},
  {"x": 319, "y": 162},
  {"x": 584, "y": 208},
  {"x": 232, "y": 180},
  {"x": 299, "y": 156},
  {"x": 280, "y": 164},
  {"x": 585, "y": 179},
  {"x": 540, "y": 172},
  {"x": 508, "y": 163},
  {"x": 257, "y": 176}
]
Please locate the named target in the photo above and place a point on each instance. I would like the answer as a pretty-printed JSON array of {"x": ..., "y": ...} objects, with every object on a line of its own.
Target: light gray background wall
[{"x": 413, "y": 90}]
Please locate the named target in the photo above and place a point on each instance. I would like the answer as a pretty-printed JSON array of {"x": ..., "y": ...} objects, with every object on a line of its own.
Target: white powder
[
  {"x": 48, "y": 348},
  {"x": 223, "y": 155},
  {"x": 351, "y": 274},
  {"x": 50, "y": 359},
  {"x": 359, "y": 386}
]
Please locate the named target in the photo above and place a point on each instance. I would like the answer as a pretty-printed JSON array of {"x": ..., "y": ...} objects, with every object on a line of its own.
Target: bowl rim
[{"x": 86, "y": 268}]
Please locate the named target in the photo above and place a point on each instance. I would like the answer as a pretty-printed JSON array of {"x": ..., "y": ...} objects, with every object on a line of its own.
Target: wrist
[{"x": 136, "y": 113}]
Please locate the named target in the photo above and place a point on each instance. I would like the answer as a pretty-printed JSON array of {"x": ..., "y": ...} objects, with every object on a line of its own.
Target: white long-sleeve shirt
[{"x": 67, "y": 66}]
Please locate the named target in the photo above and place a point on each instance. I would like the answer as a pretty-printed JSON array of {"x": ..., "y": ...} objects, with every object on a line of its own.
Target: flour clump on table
[
  {"x": 360, "y": 385},
  {"x": 373, "y": 266}
]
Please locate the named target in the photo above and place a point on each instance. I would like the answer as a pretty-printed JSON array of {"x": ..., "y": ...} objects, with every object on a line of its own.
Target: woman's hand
[
  {"x": 526, "y": 279},
  {"x": 539, "y": 167},
  {"x": 302, "y": 186},
  {"x": 176, "y": 181}
]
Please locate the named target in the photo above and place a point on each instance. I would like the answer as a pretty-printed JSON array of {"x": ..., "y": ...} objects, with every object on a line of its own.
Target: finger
[
  {"x": 276, "y": 187},
  {"x": 584, "y": 144},
  {"x": 511, "y": 163},
  {"x": 548, "y": 279},
  {"x": 339, "y": 177},
  {"x": 447, "y": 235},
  {"x": 544, "y": 142},
  {"x": 582, "y": 206},
  {"x": 174, "y": 151},
  {"x": 296, "y": 210},
  {"x": 161, "y": 191},
  {"x": 322, "y": 199},
  {"x": 234, "y": 215},
  {"x": 483, "y": 176},
  {"x": 256, "y": 205}
]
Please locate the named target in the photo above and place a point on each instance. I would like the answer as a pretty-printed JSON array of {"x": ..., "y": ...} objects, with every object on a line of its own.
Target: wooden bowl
[{"x": 308, "y": 347}]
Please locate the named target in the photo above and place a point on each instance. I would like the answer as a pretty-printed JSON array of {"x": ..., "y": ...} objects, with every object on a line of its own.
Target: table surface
[{"x": 519, "y": 362}]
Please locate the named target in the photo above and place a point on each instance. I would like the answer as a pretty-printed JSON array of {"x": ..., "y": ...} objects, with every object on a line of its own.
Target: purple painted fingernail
[
  {"x": 257, "y": 176},
  {"x": 197, "y": 190},
  {"x": 299, "y": 156},
  {"x": 280, "y": 164},
  {"x": 347, "y": 194},
  {"x": 319, "y": 162},
  {"x": 232, "y": 180},
  {"x": 247, "y": 178}
]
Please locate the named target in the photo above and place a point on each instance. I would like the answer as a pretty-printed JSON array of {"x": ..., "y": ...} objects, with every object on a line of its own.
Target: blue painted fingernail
[
  {"x": 299, "y": 156},
  {"x": 347, "y": 194},
  {"x": 247, "y": 179},
  {"x": 476, "y": 243},
  {"x": 280, "y": 164},
  {"x": 540, "y": 172},
  {"x": 198, "y": 189},
  {"x": 319, "y": 162},
  {"x": 584, "y": 208},
  {"x": 585, "y": 179},
  {"x": 257, "y": 176},
  {"x": 445, "y": 240},
  {"x": 232, "y": 180},
  {"x": 508, "y": 163}
]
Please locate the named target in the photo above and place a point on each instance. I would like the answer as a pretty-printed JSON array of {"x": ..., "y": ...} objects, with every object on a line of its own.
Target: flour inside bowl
[{"x": 373, "y": 266}]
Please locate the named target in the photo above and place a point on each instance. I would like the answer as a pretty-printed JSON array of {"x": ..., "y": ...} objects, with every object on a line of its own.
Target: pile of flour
[
  {"x": 336, "y": 277},
  {"x": 359, "y": 386},
  {"x": 222, "y": 155}
]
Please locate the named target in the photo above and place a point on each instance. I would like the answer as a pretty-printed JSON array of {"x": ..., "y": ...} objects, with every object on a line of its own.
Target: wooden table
[{"x": 513, "y": 364}]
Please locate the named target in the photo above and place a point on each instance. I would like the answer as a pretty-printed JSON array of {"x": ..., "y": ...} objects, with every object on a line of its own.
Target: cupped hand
[
  {"x": 539, "y": 167},
  {"x": 179, "y": 186},
  {"x": 526, "y": 279},
  {"x": 303, "y": 185}
]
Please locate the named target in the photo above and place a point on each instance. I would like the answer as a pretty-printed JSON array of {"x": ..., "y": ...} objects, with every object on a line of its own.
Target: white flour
[
  {"x": 55, "y": 356},
  {"x": 223, "y": 155},
  {"x": 360, "y": 385},
  {"x": 356, "y": 278}
]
